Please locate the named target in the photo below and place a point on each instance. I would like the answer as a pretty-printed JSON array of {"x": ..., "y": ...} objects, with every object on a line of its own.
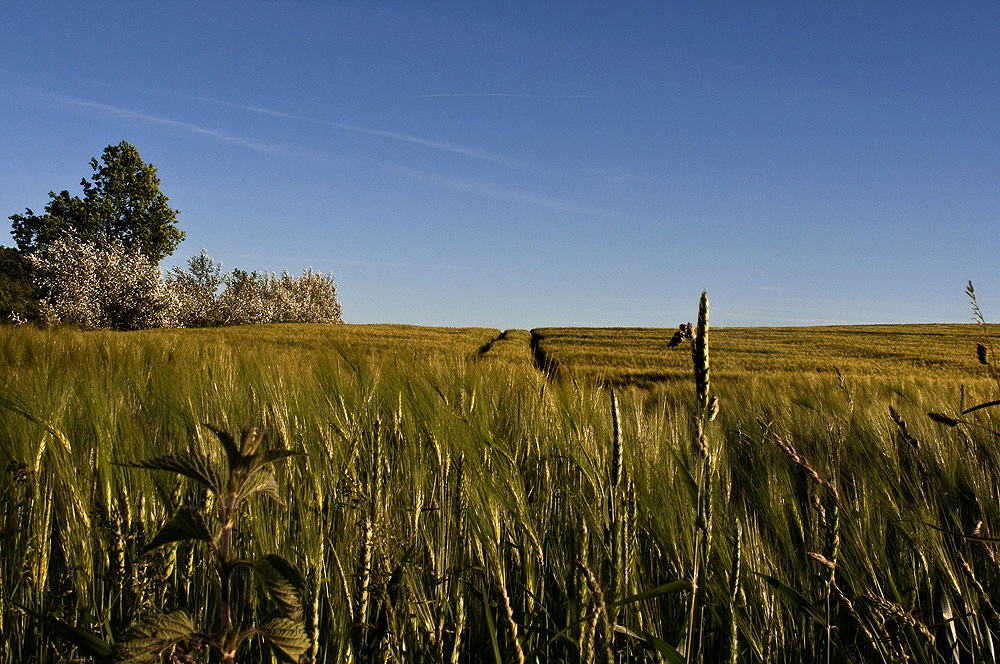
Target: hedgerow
[{"x": 102, "y": 283}]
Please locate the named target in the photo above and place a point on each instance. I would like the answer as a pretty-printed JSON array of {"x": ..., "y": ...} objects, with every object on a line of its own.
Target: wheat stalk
[
  {"x": 735, "y": 578},
  {"x": 617, "y": 512},
  {"x": 706, "y": 465},
  {"x": 461, "y": 558}
]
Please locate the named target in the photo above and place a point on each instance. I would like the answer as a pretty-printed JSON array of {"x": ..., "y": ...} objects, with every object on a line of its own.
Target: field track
[
  {"x": 631, "y": 356},
  {"x": 643, "y": 356}
]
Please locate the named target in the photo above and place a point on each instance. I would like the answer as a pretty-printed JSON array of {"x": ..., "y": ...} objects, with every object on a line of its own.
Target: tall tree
[{"x": 121, "y": 202}]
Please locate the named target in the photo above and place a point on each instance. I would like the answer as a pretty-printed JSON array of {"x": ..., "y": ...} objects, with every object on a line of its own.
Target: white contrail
[
  {"x": 498, "y": 94},
  {"x": 487, "y": 189},
  {"x": 463, "y": 184},
  {"x": 474, "y": 153},
  {"x": 185, "y": 126}
]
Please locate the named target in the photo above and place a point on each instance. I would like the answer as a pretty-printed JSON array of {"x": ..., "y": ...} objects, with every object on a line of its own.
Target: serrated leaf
[
  {"x": 229, "y": 443},
  {"x": 196, "y": 466},
  {"x": 187, "y": 524},
  {"x": 287, "y": 638},
  {"x": 151, "y": 637},
  {"x": 260, "y": 482},
  {"x": 257, "y": 461},
  {"x": 283, "y": 583}
]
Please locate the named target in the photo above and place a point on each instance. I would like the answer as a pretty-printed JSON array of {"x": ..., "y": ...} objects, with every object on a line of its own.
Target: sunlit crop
[{"x": 457, "y": 503}]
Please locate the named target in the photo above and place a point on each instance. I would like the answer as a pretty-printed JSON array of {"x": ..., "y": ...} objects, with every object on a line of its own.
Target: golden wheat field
[{"x": 477, "y": 495}]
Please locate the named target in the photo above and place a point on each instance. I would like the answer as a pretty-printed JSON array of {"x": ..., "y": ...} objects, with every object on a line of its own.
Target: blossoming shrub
[
  {"x": 100, "y": 285},
  {"x": 196, "y": 291},
  {"x": 251, "y": 298},
  {"x": 312, "y": 298},
  {"x": 105, "y": 285},
  {"x": 246, "y": 299}
]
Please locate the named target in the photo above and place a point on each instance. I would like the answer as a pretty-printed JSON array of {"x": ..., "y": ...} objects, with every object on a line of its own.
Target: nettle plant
[{"x": 249, "y": 473}]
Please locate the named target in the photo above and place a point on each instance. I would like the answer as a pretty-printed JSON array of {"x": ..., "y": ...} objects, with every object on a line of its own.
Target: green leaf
[
  {"x": 912, "y": 640},
  {"x": 283, "y": 583},
  {"x": 686, "y": 479},
  {"x": 229, "y": 443},
  {"x": 795, "y": 598},
  {"x": 668, "y": 652},
  {"x": 260, "y": 482},
  {"x": 988, "y": 404},
  {"x": 196, "y": 466},
  {"x": 151, "y": 637},
  {"x": 490, "y": 627},
  {"x": 257, "y": 461},
  {"x": 187, "y": 524},
  {"x": 287, "y": 638},
  {"x": 665, "y": 589},
  {"x": 86, "y": 643}
]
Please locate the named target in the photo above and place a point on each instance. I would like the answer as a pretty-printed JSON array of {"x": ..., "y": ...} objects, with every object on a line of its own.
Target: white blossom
[
  {"x": 105, "y": 285},
  {"x": 100, "y": 285}
]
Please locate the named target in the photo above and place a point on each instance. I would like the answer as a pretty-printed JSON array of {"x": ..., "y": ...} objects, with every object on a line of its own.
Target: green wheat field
[{"x": 553, "y": 495}]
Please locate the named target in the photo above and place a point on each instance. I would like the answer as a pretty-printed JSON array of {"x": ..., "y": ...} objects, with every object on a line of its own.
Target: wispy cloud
[
  {"x": 775, "y": 289},
  {"x": 496, "y": 191},
  {"x": 265, "y": 257},
  {"x": 408, "y": 266},
  {"x": 177, "y": 124},
  {"x": 449, "y": 182},
  {"x": 498, "y": 94},
  {"x": 472, "y": 152}
]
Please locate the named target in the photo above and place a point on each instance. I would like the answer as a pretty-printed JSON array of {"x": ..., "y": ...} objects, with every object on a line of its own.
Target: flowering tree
[
  {"x": 196, "y": 291},
  {"x": 251, "y": 298},
  {"x": 104, "y": 284},
  {"x": 312, "y": 298},
  {"x": 100, "y": 284},
  {"x": 207, "y": 297}
]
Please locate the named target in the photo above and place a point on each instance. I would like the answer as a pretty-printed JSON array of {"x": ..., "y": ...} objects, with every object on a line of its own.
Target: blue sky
[{"x": 525, "y": 164}]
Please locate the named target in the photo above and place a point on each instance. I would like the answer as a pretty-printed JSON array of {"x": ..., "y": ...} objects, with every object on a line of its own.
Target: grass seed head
[
  {"x": 713, "y": 408},
  {"x": 699, "y": 350},
  {"x": 941, "y": 418}
]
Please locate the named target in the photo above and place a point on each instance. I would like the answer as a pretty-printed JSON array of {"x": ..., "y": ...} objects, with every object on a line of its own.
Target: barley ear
[
  {"x": 600, "y": 615},
  {"x": 508, "y": 613},
  {"x": 699, "y": 349},
  {"x": 833, "y": 537}
]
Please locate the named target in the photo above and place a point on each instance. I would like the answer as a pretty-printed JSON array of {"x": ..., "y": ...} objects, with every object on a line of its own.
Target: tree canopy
[
  {"x": 122, "y": 202},
  {"x": 18, "y": 297}
]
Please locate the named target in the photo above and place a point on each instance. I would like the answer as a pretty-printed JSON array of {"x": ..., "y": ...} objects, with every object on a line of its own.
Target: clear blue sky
[{"x": 524, "y": 164}]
